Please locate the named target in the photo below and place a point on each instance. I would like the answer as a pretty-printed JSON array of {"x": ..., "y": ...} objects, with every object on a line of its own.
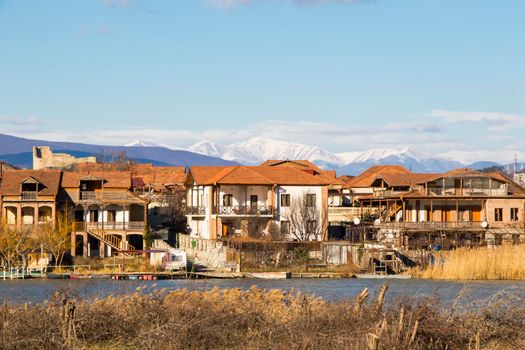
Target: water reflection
[{"x": 36, "y": 291}]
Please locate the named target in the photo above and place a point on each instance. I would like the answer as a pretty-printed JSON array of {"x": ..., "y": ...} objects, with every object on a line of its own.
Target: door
[
  {"x": 93, "y": 216},
  {"x": 457, "y": 187},
  {"x": 253, "y": 204},
  {"x": 445, "y": 214},
  {"x": 476, "y": 214}
]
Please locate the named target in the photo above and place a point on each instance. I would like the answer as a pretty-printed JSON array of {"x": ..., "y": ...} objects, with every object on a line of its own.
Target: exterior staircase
[
  {"x": 111, "y": 240},
  {"x": 392, "y": 210}
]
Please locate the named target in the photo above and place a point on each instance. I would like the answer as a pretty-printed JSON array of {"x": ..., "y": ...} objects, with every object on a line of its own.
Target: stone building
[{"x": 43, "y": 158}]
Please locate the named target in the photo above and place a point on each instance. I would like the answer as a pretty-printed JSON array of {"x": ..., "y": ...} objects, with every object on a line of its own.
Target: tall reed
[
  {"x": 484, "y": 263},
  {"x": 257, "y": 319}
]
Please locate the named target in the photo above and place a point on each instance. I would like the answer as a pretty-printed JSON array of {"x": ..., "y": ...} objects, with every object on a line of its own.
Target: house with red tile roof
[
  {"x": 29, "y": 198},
  {"x": 222, "y": 201},
  {"x": 108, "y": 216},
  {"x": 462, "y": 206}
]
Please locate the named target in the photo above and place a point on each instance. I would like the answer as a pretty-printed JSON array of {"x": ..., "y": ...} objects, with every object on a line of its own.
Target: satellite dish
[
  {"x": 377, "y": 222},
  {"x": 357, "y": 221},
  {"x": 484, "y": 224}
]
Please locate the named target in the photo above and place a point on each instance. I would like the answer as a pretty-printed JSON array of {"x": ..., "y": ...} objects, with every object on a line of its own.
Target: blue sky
[{"x": 445, "y": 76}]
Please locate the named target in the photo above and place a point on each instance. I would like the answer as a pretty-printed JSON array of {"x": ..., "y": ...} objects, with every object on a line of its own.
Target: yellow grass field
[{"x": 494, "y": 263}]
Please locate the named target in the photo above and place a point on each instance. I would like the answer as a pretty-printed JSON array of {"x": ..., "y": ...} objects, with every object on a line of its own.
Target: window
[
  {"x": 513, "y": 214},
  {"x": 310, "y": 200},
  {"x": 498, "y": 214},
  {"x": 311, "y": 227},
  {"x": 285, "y": 200},
  {"x": 285, "y": 227},
  {"x": 227, "y": 200}
]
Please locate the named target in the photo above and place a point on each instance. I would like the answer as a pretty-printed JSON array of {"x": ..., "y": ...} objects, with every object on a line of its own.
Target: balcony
[
  {"x": 29, "y": 195},
  {"x": 467, "y": 192},
  {"x": 433, "y": 225},
  {"x": 92, "y": 196},
  {"x": 195, "y": 210},
  {"x": 108, "y": 226},
  {"x": 240, "y": 210},
  {"x": 387, "y": 193}
]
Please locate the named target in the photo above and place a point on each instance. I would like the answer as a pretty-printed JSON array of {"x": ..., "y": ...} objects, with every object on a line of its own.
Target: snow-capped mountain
[
  {"x": 206, "y": 148},
  {"x": 259, "y": 149},
  {"x": 142, "y": 143}
]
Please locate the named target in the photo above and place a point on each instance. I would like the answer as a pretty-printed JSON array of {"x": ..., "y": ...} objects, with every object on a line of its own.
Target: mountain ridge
[{"x": 17, "y": 151}]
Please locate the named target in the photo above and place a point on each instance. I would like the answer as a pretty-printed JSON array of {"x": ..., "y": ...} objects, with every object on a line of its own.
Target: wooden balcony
[
  {"x": 433, "y": 225},
  {"x": 29, "y": 195},
  {"x": 108, "y": 226},
  {"x": 103, "y": 196},
  {"x": 467, "y": 192}
]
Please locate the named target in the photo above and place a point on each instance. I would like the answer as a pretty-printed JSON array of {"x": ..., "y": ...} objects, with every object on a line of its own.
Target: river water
[{"x": 447, "y": 292}]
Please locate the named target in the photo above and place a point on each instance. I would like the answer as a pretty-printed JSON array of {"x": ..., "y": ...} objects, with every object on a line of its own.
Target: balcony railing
[
  {"x": 467, "y": 192},
  {"x": 101, "y": 196},
  {"x": 108, "y": 226},
  {"x": 432, "y": 225},
  {"x": 387, "y": 193},
  {"x": 29, "y": 195},
  {"x": 234, "y": 210},
  {"x": 196, "y": 210}
]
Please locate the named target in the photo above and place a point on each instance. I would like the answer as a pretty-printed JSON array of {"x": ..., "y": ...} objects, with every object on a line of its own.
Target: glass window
[
  {"x": 498, "y": 214},
  {"x": 285, "y": 227},
  {"x": 227, "y": 200},
  {"x": 285, "y": 200},
  {"x": 310, "y": 199}
]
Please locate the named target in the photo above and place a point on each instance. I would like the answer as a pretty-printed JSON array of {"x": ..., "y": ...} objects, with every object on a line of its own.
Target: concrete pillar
[
  {"x": 102, "y": 249},
  {"x": 36, "y": 215},
  {"x": 73, "y": 243},
  {"x": 19, "y": 216},
  {"x": 85, "y": 245}
]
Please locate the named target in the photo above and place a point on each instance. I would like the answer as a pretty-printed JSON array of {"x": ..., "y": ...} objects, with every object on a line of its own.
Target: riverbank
[{"x": 253, "y": 318}]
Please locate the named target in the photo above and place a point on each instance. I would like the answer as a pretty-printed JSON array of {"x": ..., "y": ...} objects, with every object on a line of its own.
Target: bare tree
[
  {"x": 169, "y": 211},
  {"x": 56, "y": 239},
  {"x": 252, "y": 226},
  {"x": 14, "y": 244},
  {"x": 304, "y": 218},
  {"x": 274, "y": 233}
]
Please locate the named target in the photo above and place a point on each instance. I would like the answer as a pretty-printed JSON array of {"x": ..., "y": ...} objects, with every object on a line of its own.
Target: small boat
[
  {"x": 97, "y": 276},
  {"x": 58, "y": 276},
  {"x": 79, "y": 277},
  {"x": 272, "y": 275}
]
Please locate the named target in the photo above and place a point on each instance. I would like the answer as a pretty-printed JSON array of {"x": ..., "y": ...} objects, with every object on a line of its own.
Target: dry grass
[
  {"x": 496, "y": 263},
  {"x": 254, "y": 319}
]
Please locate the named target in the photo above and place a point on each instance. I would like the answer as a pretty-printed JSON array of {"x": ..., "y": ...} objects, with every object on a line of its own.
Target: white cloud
[
  {"x": 440, "y": 131},
  {"x": 228, "y": 4},
  {"x": 493, "y": 120},
  {"x": 21, "y": 121},
  {"x": 117, "y": 3}
]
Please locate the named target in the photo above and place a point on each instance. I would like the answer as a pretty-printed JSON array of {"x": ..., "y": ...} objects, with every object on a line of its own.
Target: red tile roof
[
  {"x": 305, "y": 165},
  {"x": 49, "y": 181},
  {"x": 112, "y": 179},
  {"x": 254, "y": 175},
  {"x": 393, "y": 175}
]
